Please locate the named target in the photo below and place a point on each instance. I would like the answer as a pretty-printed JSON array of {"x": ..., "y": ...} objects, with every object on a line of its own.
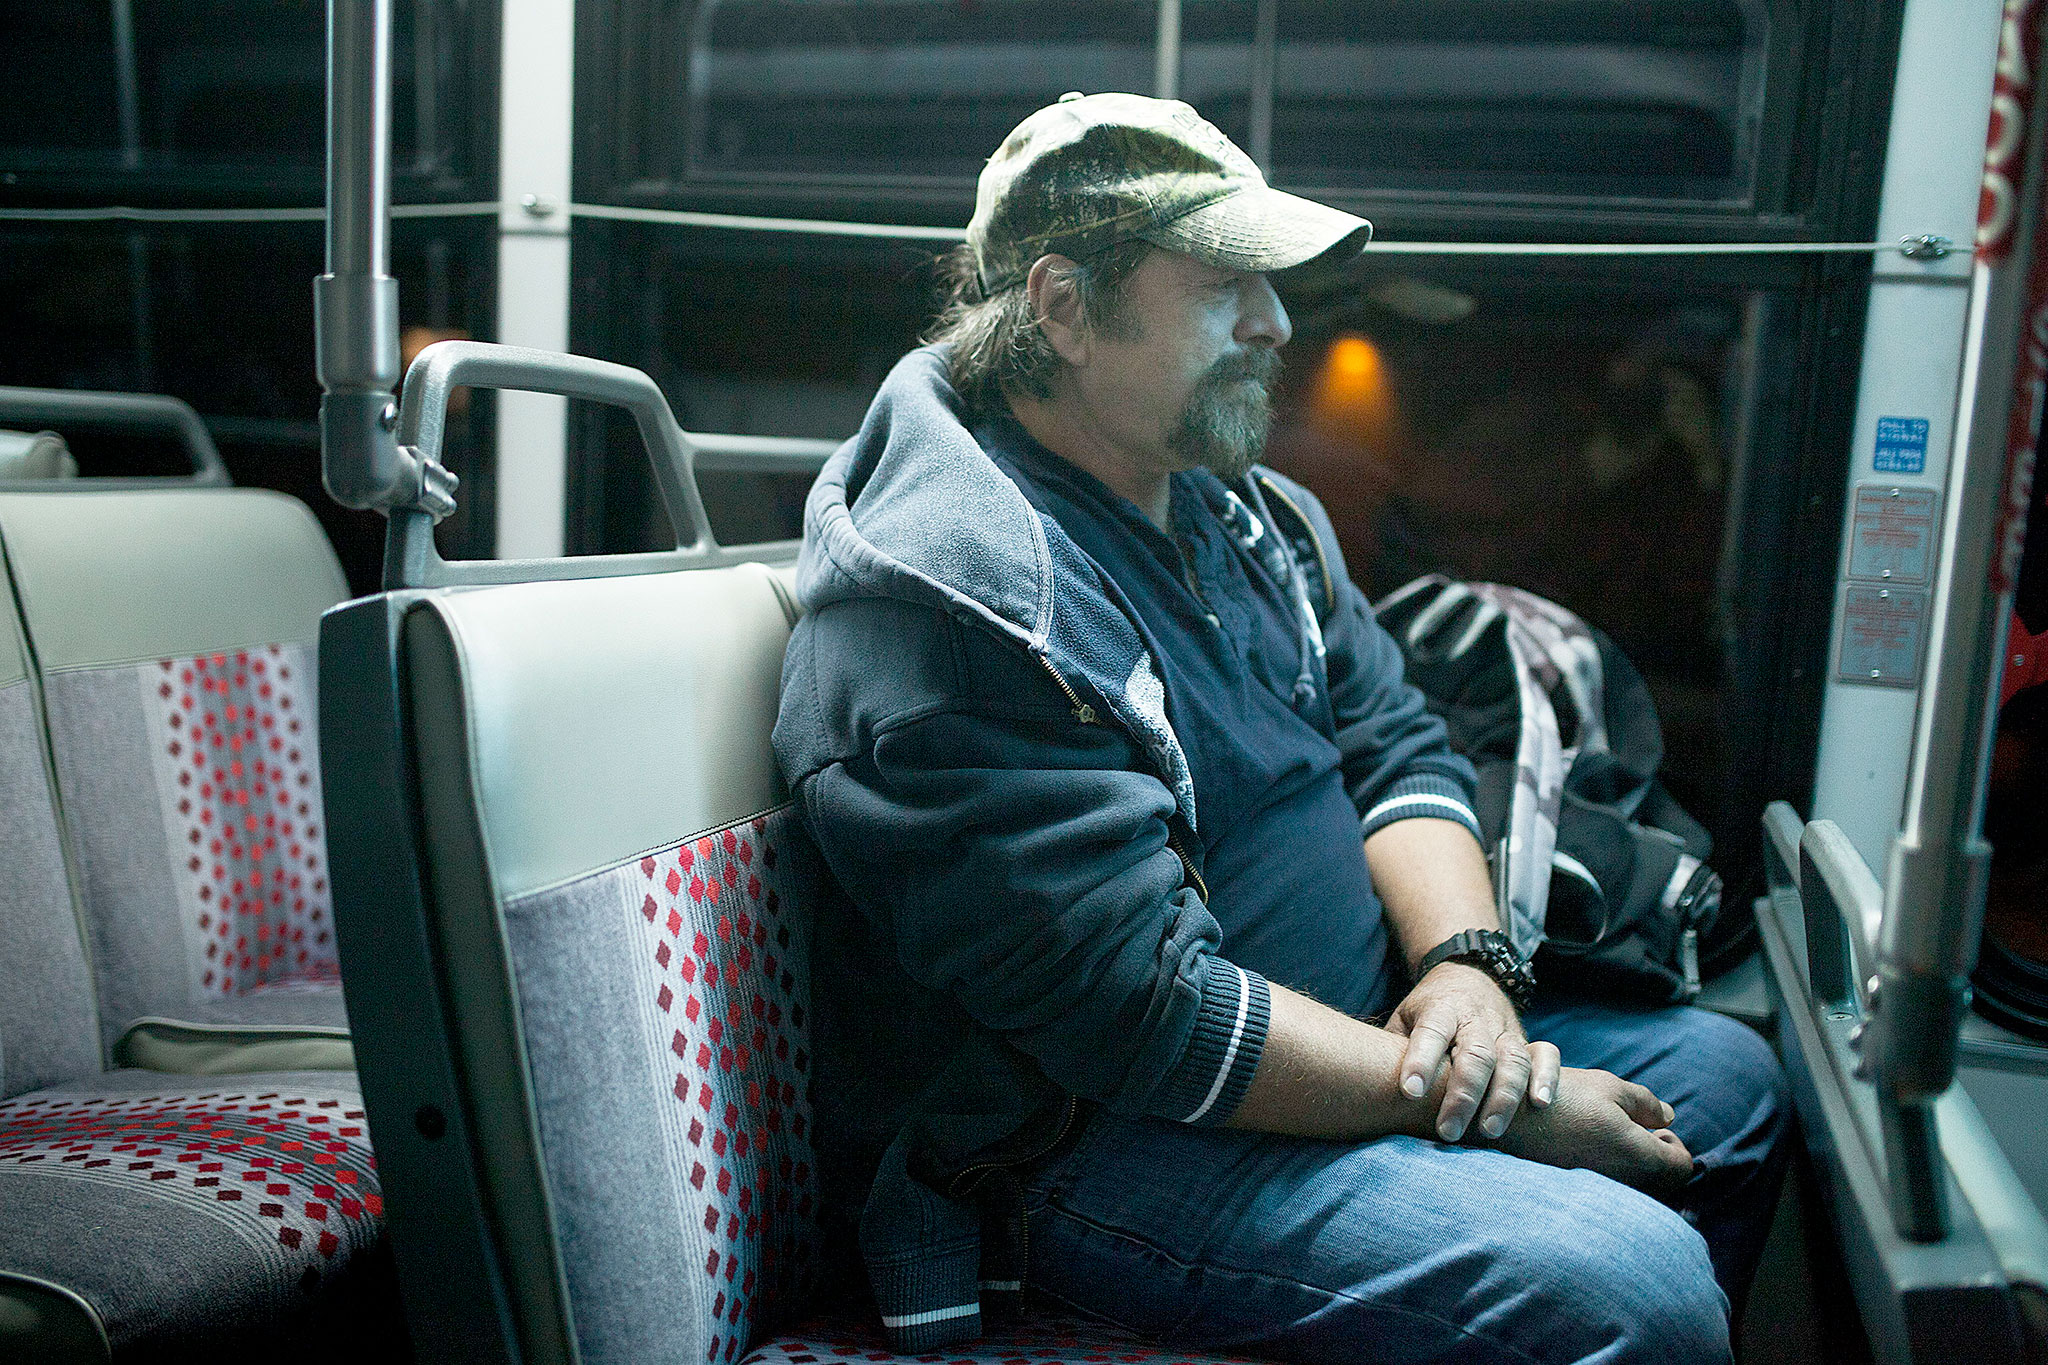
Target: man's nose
[{"x": 1263, "y": 317}]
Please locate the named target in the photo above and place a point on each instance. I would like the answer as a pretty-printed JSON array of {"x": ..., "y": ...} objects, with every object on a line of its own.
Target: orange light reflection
[{"x": 1352, "y": 397}]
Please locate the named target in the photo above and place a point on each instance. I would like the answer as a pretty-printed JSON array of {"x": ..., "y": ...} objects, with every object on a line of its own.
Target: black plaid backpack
[{"x": 1601, "y": 876}]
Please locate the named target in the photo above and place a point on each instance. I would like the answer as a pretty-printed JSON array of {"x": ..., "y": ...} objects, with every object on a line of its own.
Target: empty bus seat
[
  {"x": 173, "y": 632},
  {"x": 145, "y": 1215}
]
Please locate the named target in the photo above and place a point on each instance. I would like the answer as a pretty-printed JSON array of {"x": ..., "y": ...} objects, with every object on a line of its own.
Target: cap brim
[{"x": 1262, "y": 229}]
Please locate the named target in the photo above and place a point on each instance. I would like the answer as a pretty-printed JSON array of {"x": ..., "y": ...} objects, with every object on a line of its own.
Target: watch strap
[{"x": 1491, "y": 952}]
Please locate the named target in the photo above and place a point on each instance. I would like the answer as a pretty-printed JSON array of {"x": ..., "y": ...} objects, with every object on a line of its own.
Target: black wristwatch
[{"x": 1490, "y": 951}]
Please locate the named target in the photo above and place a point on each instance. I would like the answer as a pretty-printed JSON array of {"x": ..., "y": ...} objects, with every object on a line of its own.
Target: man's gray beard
[{"x": 1224, "y": 423}]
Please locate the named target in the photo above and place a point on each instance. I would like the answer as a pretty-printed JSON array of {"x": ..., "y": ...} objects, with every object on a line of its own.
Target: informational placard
[
  {"x": 1883, "y": 632},
  {"x": 1901, "y": 446},
  {"x": 1891, "y": 534}
]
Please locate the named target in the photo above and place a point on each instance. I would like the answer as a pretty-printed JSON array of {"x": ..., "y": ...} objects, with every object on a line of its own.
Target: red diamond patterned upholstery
[
  {"x": 189, "y": 1216},
  {"x": 730, "y": 976},
  {"x": 297, "y": 1166},
  {"x": 239, "y": 778},
  {"x": 733, "y": 977}
]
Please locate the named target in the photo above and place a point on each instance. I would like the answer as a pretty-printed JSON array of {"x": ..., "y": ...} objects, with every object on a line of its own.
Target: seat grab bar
[{"x": 411, "y": 559}]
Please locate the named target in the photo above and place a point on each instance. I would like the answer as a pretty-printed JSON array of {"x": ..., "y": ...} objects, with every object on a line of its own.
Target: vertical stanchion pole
[
  {"x": 1166, "y": 52},
  {"x": 1934, "y": 890},
  {"x": 355, "y": 304}
]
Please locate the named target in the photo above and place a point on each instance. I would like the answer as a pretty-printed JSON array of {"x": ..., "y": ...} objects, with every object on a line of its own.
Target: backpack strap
[
  {"x": 1251, "y": 521},
  {"x": 1294, "y": 525}
]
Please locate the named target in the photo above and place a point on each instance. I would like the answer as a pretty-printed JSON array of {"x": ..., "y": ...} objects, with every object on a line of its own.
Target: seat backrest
[
  {"x": 47, "y": 1029},
  {"x": 174, "y": 635},
  {"x": 613, "y": 878}
]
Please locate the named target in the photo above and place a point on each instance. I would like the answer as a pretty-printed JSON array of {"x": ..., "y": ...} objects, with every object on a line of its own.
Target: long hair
[{"x": 994, "y": 343}]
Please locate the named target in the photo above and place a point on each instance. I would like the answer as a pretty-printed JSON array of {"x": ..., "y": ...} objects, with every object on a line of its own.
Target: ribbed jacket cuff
[
  {"x": 1230, "y": 1033},
  {"x": 932, "y": 1299},
  {"x": 1422, "y": 794}
]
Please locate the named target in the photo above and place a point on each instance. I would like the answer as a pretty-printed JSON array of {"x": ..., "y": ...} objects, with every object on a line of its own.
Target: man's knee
[
  {"x": 1738, "y": 1062},
  {"x": 1624, "y": 1280}
]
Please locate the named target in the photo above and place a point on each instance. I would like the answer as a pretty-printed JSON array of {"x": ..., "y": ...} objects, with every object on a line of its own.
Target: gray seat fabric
[
  {"x": 180, "y": 1214},
  {"x": 141, "y": 1214},
  {"x": 47, "y": 1029},
  {"x": 173, "y": 635}
]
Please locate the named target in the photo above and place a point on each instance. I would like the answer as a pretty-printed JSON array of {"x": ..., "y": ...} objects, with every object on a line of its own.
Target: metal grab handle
[
  {"x": 445, "y": 366},
  {"x": 123, "y": 412},
  {"x": 1844, "y": 906},
  {"x": 411, "y": 559},
  {"x": 1841, "y": 906}
]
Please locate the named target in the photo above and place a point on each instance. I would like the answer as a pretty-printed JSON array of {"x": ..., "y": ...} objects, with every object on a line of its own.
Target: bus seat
[
  {"x": 141, "y": 1214},
  {"x": 154, "y": 1217},
  {"x": 616, "y": 891},
  {"x": 173, "y": 632}
]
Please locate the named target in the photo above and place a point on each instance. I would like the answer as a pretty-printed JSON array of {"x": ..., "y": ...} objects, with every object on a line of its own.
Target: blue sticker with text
[{"x": 1901, "y": 445}]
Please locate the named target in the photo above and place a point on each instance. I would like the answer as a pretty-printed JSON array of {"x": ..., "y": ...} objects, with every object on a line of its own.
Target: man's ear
[{"x": 1057, "y": 307}]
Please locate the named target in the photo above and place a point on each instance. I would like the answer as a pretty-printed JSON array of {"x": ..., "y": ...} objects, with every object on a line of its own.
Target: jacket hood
[{"x": 913, "y": 508}]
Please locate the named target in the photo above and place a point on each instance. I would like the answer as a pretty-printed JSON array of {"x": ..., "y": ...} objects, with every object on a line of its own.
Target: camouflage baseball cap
[{"x": 1094, "y": 170}]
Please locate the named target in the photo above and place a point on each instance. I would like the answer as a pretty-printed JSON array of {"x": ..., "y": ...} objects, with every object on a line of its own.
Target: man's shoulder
[{"x": 867, "y": 663}]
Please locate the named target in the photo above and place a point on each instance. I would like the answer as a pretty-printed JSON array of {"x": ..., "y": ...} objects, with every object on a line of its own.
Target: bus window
[
  {"x": 774, "y": 92},
  {"x": 227, "y": 101},
  {"x": 218, "y": 314},
  {"x": 1662, "y": 103},
  {"x": 749, "y": 334}
]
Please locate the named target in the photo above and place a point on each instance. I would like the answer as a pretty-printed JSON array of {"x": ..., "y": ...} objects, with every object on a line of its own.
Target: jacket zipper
[
  {"x": 953, "y": 1186},
  {"x": 1187, "y": 864},
  {"x": 1085, "y": 713}
]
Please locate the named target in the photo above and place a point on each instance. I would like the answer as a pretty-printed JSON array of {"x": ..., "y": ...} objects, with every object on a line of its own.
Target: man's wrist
[{"x": 1489, "y": 952}]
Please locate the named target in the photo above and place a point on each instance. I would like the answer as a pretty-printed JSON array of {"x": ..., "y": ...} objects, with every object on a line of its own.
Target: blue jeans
[{"x": 1405, "y": 1250}]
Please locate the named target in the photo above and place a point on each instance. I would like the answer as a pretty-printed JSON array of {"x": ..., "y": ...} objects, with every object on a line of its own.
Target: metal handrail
[
  {"x": 124, "y": 412},
  {"x": 411, "y": 559},
  {"x": 355, "y": 304},
  {"x": 1933, "y": 910},
  {"x": 731, "y": 454},
  {"x": 1843, "y": 909}
]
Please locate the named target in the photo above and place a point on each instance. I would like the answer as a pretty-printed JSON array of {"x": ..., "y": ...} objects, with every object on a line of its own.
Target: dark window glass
[
  {"x": 222, "y": 317},
  {"x": 747, "y": 334},
  {"x": 889, "y": 90},
  {"x": 1578, "y": 99},
  {"x": 231, "y": 96},
  {"x": 1618, "y": 440},
  {"x": 1625, "y": 438}
]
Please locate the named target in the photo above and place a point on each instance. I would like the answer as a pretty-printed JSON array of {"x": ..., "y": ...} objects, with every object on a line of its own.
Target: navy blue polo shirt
[{"x": 1283, "y": 855}]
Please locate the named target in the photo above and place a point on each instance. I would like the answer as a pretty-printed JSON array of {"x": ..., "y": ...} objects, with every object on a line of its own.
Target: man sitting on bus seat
[{"x": 1134, "y": 838}]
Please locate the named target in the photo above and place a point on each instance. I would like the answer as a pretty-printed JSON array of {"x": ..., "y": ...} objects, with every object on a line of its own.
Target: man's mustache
[{"x": 1259, "y": 363}]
